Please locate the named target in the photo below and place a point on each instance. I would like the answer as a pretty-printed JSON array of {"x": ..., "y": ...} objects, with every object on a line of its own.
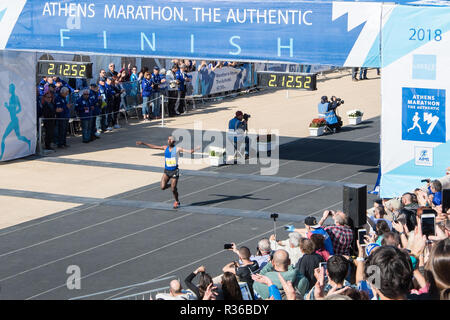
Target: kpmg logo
[
  {"x": 424, "y": 156},
  {"x": 424, "y": 67}
]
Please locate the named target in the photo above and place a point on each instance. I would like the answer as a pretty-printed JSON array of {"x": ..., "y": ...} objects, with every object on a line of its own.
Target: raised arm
[
  {"x": 188, "y": 150},
  {"x": 151, "y": 146}
]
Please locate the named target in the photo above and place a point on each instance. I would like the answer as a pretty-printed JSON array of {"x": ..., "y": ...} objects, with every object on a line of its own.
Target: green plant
[
  {"x": 213, "y": 153},
  {"x": 355, "y": 113}
]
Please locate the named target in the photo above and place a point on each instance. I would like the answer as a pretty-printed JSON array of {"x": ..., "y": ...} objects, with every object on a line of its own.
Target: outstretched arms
[
  {"x": 188, "y": 150},
  {"x": 151, "y": 146}
]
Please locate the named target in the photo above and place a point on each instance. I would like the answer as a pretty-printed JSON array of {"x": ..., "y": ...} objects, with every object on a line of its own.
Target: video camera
[
  {"x": 339, "y": 101},
  {"x": 246, "y": 116}
]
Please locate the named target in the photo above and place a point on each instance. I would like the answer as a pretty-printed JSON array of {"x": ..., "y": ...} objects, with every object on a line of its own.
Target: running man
[
  {"x": 416, "y": 119},
  {"x": 171, "y": 165},
  {"x": 13, "y": 108}
]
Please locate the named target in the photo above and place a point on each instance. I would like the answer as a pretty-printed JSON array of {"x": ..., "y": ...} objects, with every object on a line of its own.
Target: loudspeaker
[
  {"x": 445, "y": 200},
  {"x": 355, "y": 204}
]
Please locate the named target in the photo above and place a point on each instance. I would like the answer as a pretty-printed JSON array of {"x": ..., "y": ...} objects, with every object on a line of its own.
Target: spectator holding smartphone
[
  {"x": 244, "y": 268},
  {"x": 336, "y": 271},
  {"x": 312, "y": 227}
]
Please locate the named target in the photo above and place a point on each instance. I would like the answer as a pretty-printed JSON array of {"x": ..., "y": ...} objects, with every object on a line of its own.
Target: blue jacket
[
  {"x": 179, "y": 76},
  {"x": 94, "y": 100},
  {"x": 437, "y": 197},
  {"x": 61, "y": 102},
  {"x": 235, "y": 124},
  {"x": 102, "y": 91},
  {"x": 83, "y": 108},
  {"x": 65, "y": 84},
  {"x": 146, "y": 88},
  {"x": 329, "y": 116},
  {"x": 109, "y": 91},
  {"x": 156, "y": 79},
  {"x": 41, "y": 87}
]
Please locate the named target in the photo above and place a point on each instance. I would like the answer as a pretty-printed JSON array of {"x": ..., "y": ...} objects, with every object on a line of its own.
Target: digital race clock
[
  {"x": 65, "y": 69},
  {"x": 305, "y": 81}
]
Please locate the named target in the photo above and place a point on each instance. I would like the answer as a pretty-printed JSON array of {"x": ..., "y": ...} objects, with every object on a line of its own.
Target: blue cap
[{"x": 155, "y": 68}]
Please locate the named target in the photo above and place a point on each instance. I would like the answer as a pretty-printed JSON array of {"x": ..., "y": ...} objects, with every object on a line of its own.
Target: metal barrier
[{"x": 128, "y": 288}]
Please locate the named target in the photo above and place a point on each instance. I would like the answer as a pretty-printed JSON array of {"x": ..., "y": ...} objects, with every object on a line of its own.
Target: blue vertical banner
[
  {"x": 415, "y": 132},
  {"x": 423, "y": 114}
]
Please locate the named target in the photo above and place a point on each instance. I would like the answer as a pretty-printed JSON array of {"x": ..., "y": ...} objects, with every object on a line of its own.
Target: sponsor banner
[
  {"x": 17, "y": 105},
  {"x": 224, "y": 79},
  {"x": 415, "y": 132},
  {"x": 306, "y": 32}
]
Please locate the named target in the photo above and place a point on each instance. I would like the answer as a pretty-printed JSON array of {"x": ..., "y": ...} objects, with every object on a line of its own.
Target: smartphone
[
  {"x": 228, "y": 246},
  {"x": 361, "y": 234},
  {"x": 323, "y": 264},
  {"x": 428, "y": 221}
]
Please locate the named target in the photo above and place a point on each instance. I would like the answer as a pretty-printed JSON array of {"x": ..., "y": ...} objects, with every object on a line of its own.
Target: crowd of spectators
[
  {"x": 397, "y": 260},
  {"x": 99, "y": 105}
]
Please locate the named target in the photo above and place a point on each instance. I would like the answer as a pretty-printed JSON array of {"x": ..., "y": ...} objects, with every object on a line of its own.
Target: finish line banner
[{"x": 331, "y": 33}]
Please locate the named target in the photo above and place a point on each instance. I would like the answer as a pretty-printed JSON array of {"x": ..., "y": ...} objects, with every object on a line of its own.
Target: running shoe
[{"x": 176, "y": 204}]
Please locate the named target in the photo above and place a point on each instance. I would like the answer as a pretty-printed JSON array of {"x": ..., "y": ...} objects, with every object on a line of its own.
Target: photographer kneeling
[
  {"x": 238, "y": 126},
  {"x": 327, "y": 111}
]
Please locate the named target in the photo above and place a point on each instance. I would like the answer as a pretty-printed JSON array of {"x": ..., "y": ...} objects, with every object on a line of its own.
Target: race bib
[{"x": 171, "y": 162}]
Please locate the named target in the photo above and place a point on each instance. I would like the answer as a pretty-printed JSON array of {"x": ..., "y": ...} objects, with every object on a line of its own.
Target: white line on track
[
  {"x": 218, "y": 252},
  {"x": 95, "y": 247},
  {"x": 139, "y": 256},
  {"x": 72, "y": 232},
  {"x": 98, "y": 271},
  {"x": 48, "y": 220}
]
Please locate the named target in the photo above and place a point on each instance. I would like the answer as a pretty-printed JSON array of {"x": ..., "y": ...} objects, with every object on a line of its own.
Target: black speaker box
[{"x": 355, "y": 204}]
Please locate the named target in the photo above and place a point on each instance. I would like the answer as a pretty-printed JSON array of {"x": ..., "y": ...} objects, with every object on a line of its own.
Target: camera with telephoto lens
[
  {"x": 339, "y": 101},
  {"x": 246, "y": 116}
]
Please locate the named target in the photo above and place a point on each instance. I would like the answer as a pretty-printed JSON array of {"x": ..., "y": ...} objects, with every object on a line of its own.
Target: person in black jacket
[
  {"x": 309, "y": 261},
  {"x": 48, "y": 113},
  {"x": 204, "y": 281}
]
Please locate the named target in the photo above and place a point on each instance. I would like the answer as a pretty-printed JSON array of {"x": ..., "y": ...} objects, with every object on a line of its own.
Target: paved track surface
[{"x": 135, "y": 236}]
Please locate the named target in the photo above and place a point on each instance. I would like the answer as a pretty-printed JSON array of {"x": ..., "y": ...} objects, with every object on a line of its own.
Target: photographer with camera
[
  {"x": 327, "y": 111},
  {"x": 239, "y": 125}
]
